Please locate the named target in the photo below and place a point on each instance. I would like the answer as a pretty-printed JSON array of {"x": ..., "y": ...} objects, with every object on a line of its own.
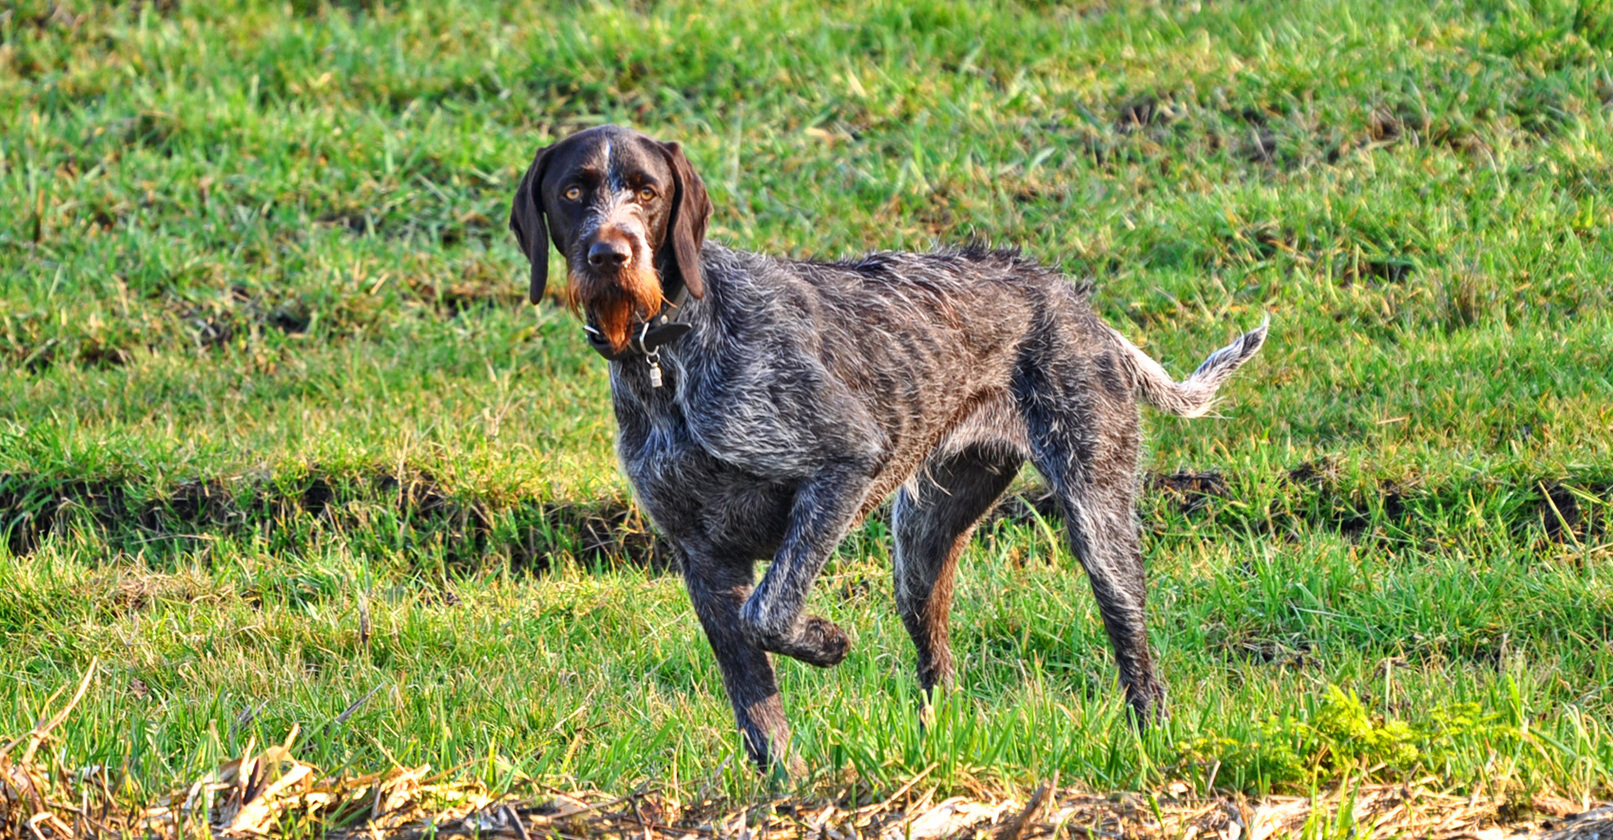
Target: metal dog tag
[{"x": 654, "y": 358}]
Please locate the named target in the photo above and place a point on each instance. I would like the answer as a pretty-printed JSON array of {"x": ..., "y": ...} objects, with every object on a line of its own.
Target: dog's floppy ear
[
  {"x": 530, "y": 228},
  {"x": 686, "y": 230}
]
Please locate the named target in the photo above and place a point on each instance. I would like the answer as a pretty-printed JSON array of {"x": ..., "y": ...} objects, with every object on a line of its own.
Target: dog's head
[{"x": 629, "y": 215}]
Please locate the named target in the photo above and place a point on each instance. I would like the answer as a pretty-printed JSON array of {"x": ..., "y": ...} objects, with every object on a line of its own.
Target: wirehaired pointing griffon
[{"x": 766, "y": 405}]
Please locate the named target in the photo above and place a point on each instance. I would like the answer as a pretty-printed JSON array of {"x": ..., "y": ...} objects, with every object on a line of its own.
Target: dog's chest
[{"x": 692, "y": 495}]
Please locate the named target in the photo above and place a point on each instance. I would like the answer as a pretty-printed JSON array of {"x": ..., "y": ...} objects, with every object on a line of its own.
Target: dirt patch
[
  {"x": 1275, "y": 138},
  {"x": 50, "y": 16},
  {"x": 240, "y": 312},
  {"x": 92, "y": 352},
  {"x": 1191, "y": 490},
  {"x": 124, "y": 591},
  {"x": 158, "y": 131},
  {"x": 1313, "y": 473},
  {"x": 31, "y": 506},
  {"x": 1378, "y": 271},
  {"x": 1317, "y": 497},
  {"x": 214, "y": 324},
  {"x": 1027, "y": 508},
  {"x": 1355, "y": 513},
  {"x": 1260, "y": 146},
  {"x": 1274, "y": 651},
  {"x": 1562, "y": 515},
  {"x": 317, "y": 497},
  {"x": 233, "y": 316},
  {"x": 608, "y": 533},
  {"x": 1390, "y": 125},
  {"x": 1147, "y": 111},
  {"x": 356, "y": 222},
  {"x": 35, "y": 507},
  {"x": 208, "y": 503},
  {"x": 600, "y": 533},
  {"x": 469, "y": 225},
  {"x": 1559, "y": 511}
]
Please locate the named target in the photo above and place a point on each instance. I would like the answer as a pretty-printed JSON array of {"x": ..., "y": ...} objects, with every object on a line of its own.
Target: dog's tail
[{"x": 1195, "y": 395}]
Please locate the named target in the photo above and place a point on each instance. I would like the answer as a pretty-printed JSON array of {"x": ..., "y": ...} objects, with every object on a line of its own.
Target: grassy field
[{"x": 280, "y": 444}]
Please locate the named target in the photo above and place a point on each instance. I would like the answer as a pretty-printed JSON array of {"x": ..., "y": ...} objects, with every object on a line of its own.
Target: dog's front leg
[
  {"x": 718, "y": 587},
  {"x": 825, "y": 507}
]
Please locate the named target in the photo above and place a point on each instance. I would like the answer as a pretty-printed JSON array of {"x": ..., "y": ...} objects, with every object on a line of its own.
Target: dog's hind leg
[
  {"x": 1085, "y": 442},
  {"x": 933, "y": 519},
  {"x": 1101, "y": 518},
  {"x": 718, "y": 588}
]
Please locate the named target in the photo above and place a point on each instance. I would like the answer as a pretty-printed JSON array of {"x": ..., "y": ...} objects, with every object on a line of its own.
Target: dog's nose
[{"x": 611, "y": 253}]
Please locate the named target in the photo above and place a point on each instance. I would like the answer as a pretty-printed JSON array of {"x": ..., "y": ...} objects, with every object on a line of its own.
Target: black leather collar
[{"x": 646, "y": 336}]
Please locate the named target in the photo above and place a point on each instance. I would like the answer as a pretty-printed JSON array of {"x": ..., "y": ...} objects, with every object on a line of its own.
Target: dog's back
[
  {"x": 921, "y": 344},
  {"x": 930, "y": 345}
]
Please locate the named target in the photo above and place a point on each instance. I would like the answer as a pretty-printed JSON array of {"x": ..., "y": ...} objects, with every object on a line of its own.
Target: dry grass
[{"x": 270, "y": 792}]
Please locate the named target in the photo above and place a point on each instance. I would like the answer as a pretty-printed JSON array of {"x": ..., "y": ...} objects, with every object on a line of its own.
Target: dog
[{"x": 765, "y": 406}]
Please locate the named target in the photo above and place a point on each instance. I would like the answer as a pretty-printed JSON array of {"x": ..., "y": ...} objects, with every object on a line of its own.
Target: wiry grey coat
[{"x": 807, "y": 392}]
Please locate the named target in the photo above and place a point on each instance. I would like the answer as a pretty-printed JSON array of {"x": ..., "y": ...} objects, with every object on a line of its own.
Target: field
[{"x": 282, "y": 446}]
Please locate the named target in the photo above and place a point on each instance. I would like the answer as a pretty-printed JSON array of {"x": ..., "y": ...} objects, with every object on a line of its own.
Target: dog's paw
[
  {"x": 812, "y": 639},
  {"x": 821, "y": 643}
]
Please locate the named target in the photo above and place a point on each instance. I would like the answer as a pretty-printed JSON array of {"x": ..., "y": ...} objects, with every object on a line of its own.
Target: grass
[{"x": 280, "y": 443}]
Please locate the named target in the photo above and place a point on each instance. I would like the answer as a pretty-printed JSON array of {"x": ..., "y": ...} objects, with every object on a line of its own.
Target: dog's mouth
[{"x": 612, "y": 301}]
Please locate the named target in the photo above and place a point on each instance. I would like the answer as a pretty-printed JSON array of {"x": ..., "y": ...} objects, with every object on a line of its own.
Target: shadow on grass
[{"x": 410, "y": 511}]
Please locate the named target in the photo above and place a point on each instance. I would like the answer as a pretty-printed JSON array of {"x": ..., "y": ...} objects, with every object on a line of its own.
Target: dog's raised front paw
[
  {"x": 813, "y": 639},
  {"x": 821, "y": 642}
]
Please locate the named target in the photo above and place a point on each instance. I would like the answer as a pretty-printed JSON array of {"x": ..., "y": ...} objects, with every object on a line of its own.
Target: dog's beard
[{"x": 614, "y": 302}]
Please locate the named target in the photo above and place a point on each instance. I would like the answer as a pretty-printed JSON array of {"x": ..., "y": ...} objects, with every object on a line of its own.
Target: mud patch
[
  {"x": 408, "y": 511},
  {"x": 411, "y": 512},
  {"x": 1314, "y": 496},
  {"x": 1392, "y": 269},
  {"x": 1147, "y": 111},
  {"x": 1277, "y": 652},
  {"x": 602, "y": 534},
  {"x": 1190, "y": 490}
]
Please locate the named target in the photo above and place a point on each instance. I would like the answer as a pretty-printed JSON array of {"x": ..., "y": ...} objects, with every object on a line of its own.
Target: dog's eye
[
  {"x": 646, "y": 193},
  {"x": 572, "y": 193}
]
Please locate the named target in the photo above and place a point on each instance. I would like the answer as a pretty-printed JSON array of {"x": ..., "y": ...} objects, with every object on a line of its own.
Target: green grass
[{"x": 277, "y": 433}]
